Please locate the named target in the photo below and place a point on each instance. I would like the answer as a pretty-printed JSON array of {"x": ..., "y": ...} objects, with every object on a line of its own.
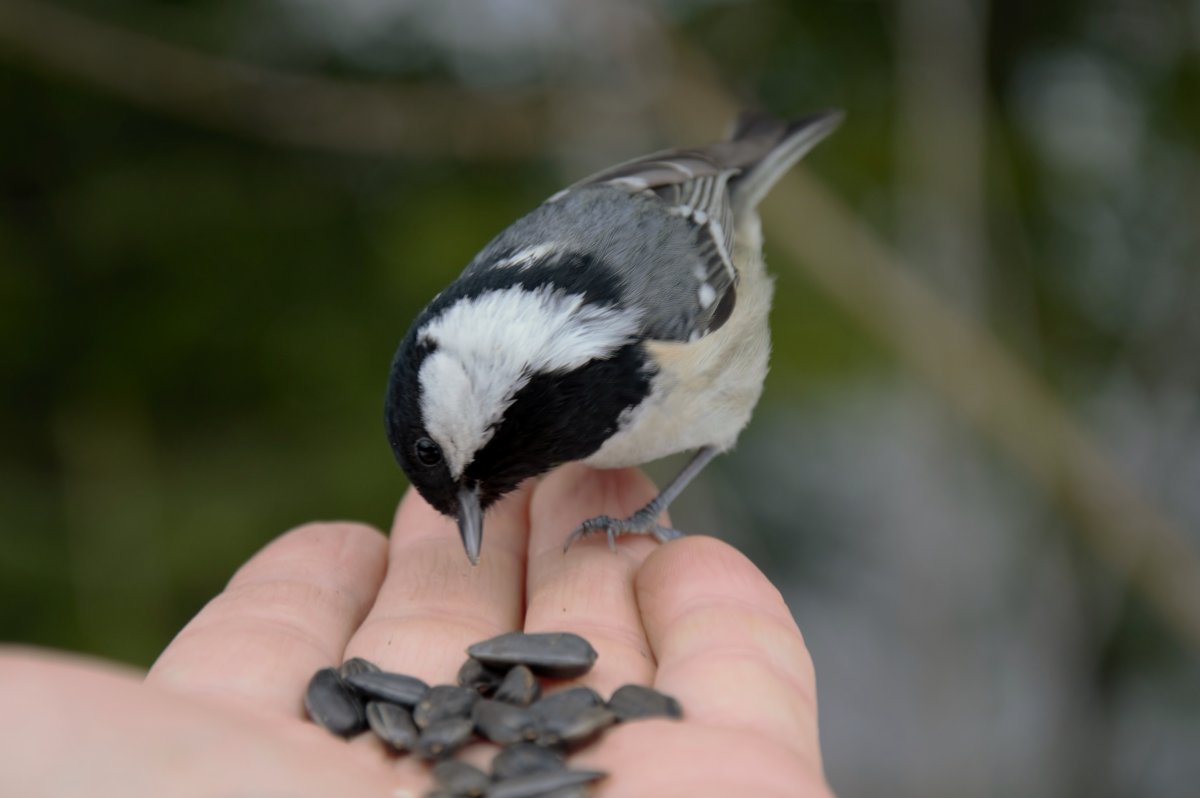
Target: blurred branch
[
  {"x": 940, "y": 142},
  {"x": 265, "y": 104},
  {"x": 962, "y": 361},
  {"x": 971, "y": 369}
]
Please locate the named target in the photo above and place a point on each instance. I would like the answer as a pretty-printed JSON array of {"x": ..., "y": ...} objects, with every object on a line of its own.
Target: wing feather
[
  {"x": 692, "y": 184},
  {"x": 693, "y": 287}
]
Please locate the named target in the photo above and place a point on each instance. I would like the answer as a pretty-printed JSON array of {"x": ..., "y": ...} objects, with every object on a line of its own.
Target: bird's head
[{"x": 496, "y": 383}]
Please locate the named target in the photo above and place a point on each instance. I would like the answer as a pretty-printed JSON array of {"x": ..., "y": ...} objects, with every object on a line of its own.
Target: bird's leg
[{"x": 645, "y": 520}]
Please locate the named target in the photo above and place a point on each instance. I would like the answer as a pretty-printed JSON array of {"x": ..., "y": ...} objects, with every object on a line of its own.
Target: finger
[
  {"x": 286, "y": 613},
  {"x": 121, "y": 737},
  {"x": 726, "y": 644},
  {"x": 589, "y": 590},
  {"x": 433, "y": 602},
  {"x": 666, "y": 760}
]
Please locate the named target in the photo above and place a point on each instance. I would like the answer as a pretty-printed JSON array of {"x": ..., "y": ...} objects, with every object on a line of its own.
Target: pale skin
[{"x": 221, "y": 714}]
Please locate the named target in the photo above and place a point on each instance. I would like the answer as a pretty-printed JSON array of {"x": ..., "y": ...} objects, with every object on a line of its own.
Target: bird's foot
[{"x": 643, "y": 522}]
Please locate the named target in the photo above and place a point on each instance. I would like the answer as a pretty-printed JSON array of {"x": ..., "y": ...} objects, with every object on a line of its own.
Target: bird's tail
[{"x": 782, "y": 144}]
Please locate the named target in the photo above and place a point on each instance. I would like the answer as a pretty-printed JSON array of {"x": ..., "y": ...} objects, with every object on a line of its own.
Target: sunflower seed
[
  {"x": 479, "y": 677},
  {"x": 503, "y": 723},
  {"x": 395, "y": 688},
  {"x": 560, "y": 655},
  {"x": 575, "y": 791},
  {"x": 357, "y": 665},
  {"x": 531, "y": 785},
  {"x": 565, "y": 702},
  {"x": 444, "y": 737},
  {"x": 520, "y": 759},
  {"x": 333, "y": 704},
  {"x": 460, "y": 779},
  {"x": 393, "y": 724},
  {"x": 571, "y": 791},
  {"x": 535, "y": 731},
  {"x": 444, "y": 701},
  {"x": 519, "y": 687},
  {"x": 634, "y": 701},
  {"x": 574, "y": 729}
]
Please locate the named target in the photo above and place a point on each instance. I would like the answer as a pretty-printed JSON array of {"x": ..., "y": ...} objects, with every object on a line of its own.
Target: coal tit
[{"x": 623, "y": 320}]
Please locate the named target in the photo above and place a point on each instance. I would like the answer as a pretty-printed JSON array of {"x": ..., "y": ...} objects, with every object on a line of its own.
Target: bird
[{"x": 623, "y": 320}]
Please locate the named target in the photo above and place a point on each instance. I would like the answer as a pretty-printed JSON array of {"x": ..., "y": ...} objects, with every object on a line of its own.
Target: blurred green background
[{"x": 975, "y": 474}]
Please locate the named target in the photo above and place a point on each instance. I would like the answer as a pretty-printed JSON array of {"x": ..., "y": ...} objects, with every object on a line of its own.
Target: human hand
[{"x": 221, "y": 712}]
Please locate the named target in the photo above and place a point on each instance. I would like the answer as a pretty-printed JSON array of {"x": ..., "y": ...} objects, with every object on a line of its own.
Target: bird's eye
[{"x": 428, "y": 452}]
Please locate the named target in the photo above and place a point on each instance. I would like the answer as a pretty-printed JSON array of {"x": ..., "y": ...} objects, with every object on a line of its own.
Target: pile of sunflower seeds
[{"x": 498, "y": 698}]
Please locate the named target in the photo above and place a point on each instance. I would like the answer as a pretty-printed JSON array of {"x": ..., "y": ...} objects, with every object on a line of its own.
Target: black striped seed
[
  {"x": 332, "y": 703},
  {"x": 559, "y": 655}
]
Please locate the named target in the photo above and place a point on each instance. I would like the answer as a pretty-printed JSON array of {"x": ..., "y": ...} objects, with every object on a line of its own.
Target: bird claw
[{"x": 640, "y": 523}]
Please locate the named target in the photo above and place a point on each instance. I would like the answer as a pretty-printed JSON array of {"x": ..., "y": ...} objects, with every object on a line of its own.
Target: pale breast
[{"x": 705, "y": 391}]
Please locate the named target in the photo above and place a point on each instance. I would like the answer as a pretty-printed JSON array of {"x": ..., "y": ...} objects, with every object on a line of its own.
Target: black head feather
[{"x": 554, "y": 417}]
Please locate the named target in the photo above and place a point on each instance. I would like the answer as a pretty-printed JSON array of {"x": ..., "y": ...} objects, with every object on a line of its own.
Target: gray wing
[
  {"x": 665, "y": 223},
  {"x": 709, "y": 189},
  {"x": 692, "y": 186}
]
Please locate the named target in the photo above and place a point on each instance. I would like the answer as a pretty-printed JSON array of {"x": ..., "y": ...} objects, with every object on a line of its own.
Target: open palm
[{"x": 221, "y": 713}]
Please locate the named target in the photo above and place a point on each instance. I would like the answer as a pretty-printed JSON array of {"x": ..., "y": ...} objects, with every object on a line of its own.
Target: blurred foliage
[
  {"x": 197, "y": 329},
  {"x": 199, "y": 333}
]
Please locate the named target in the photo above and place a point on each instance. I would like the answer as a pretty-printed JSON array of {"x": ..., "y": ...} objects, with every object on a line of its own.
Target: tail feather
[{"x": 788, "y": 142}]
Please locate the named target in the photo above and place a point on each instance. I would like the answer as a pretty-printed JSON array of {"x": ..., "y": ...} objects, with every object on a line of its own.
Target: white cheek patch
[
  {"x": 489, "y": 346},
  {"x": 454, "y": 420}
]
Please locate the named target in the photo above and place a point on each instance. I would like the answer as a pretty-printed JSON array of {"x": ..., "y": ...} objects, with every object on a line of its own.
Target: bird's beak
[{"x": 470, "y": 522}]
